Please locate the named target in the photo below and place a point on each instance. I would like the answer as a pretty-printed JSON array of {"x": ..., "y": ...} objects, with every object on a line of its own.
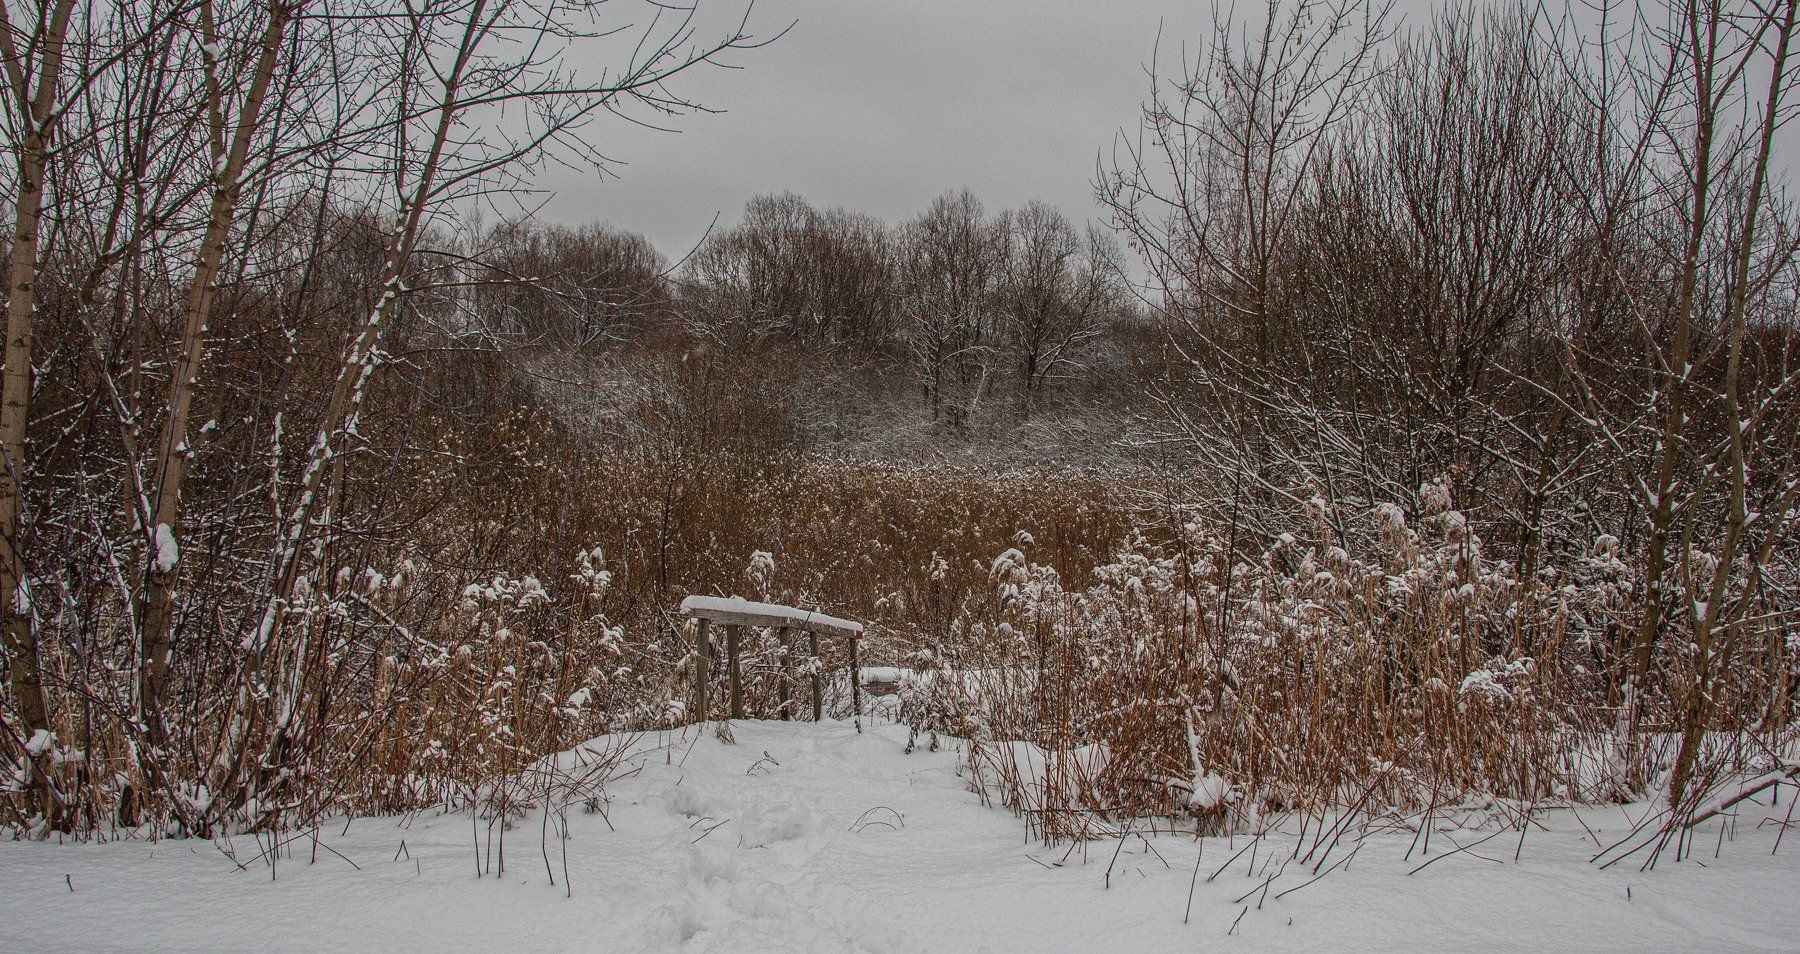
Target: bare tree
[
  {"x": 949, "y": 261},
  {"x": 232, "y": 126},
  {"x": 1697, "y": 448},
  {"x": 818, "y": 276},
  {"x": 1209, "y": 190},
  {"x": 457, "y": 61},
  {"x": 1056, "y": 292}
]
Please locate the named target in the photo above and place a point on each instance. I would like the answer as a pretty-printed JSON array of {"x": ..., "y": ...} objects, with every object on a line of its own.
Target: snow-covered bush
[{"x": 1401, "y": 668}]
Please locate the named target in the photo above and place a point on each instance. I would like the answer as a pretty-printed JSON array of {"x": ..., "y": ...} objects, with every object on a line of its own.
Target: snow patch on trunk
[{"x": 168, "y": 552}]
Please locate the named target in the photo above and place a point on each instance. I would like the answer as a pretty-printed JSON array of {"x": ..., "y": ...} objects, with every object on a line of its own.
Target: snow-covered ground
[{"x": 814, "y": 837}]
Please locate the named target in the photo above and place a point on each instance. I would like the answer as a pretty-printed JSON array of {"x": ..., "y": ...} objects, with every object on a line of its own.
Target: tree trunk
[
  {"x": 156, "y": 609},
  {"x": 16, "y": 628},
  {"x": 15, "y": 408}
]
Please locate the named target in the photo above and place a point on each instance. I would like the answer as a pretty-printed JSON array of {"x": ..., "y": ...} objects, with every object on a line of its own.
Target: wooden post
[
  {"x": 737, "y": 681},
  {"x": 702, "y": 666},
  {"x": 787, "y": 674},
  {"x": 856, "y": 682},
  {"x": 818, "y": 687}
]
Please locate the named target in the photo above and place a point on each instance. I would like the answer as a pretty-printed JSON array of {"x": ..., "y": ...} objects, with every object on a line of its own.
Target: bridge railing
[{"x": 734, "y": 614}]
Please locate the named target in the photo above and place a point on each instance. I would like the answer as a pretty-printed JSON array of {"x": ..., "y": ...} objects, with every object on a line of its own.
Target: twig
[{"x": 1458, "y": 851}]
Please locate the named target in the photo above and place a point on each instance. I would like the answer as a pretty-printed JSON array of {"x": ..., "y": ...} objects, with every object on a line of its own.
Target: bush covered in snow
[{"x": 1402, "y": 668}]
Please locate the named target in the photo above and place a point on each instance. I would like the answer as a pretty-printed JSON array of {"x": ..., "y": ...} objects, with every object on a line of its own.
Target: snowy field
[{"x": 815, "y": 838}]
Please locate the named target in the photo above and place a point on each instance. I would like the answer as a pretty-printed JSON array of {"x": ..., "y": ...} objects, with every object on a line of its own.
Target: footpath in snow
[{"x": 813, "y": 837}]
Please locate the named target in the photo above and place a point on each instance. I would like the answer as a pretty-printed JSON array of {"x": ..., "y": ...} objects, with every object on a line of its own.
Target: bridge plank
[{"x": 739, "y": 612}]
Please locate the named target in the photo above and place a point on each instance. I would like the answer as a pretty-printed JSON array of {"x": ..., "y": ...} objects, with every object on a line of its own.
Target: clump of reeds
[{"x": 1400, "y": 671}]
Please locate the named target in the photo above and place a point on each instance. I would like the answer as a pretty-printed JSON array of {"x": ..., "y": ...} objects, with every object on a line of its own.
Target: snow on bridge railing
[{"x": 734, "y": 610}]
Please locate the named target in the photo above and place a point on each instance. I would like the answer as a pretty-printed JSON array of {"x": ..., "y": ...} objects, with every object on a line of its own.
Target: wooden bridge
[{"x": 734, "y": 614}]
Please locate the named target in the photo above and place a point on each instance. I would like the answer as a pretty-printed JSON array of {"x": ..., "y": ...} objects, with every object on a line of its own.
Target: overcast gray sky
[{"x": 880, "y": 105}]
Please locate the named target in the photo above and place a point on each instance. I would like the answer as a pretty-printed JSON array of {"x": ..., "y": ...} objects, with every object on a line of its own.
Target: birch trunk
[
  {"x": 157, "y": 606},
  {"x": 37, "y": 106}
]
